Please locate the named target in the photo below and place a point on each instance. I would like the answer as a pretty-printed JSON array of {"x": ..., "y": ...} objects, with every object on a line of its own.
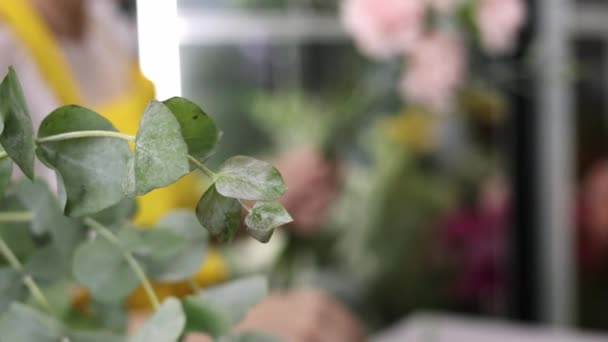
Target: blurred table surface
[{"x": 431, "y": 327}]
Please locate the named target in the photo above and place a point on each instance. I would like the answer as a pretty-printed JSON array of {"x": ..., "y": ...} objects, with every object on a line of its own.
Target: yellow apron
[{"x": 124, "y": 112}]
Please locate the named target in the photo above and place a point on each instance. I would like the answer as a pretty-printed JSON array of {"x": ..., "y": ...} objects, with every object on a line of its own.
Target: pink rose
[
  {"x": 499, "y": 22},
  {"x": 384, "y": 28},
  {"x": 435, "y": 70}
]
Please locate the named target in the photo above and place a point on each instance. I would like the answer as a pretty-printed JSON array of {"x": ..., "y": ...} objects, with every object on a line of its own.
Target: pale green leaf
[
  {"x": 215, "y": 310},
  {"x": 250, "y": 179},
  {"x": 16, "y": 234},
  {"x": 161, "y": 155},
  {"x": 192, "y": 254},
  {"x": 17, "y": 137},
  {"x": 203, "y": 316},
  {"x": 198, "y": 130},
  {"x": 103, "y": 269},
  {"x": 150, "y": 243},
  {"x": 220, "y": 215},
  {"x": 47, "y": 265},
  {"x": 6, "y": 170},
  {"x": 43, "y": 205},
  {"x": 118, "y": 214},
  {"x": 11, "y": 288},
  {"x": 24, "y": 324},
  {"x": 264, "y": 217},
  {"x": 92, "y": 169},
  {"x": 166, "y": 325}
]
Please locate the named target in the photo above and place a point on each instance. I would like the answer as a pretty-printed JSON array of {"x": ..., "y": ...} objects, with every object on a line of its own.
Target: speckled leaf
[
  {"x": 6, "y": 170},
  {"x": 192, "y": 254},
  {"x": 11, "y": 287},
  {"x": 17, "y": 137},
  {"x": 24, "y": 324},
  {"x": 198, "y": 130},
  {"x": 92, "y": 169},
  {"x": 166, "y": 325},
  {"x": 46, "y": 265},
  {"x": 43, "y": 205},
  {"x": 216, "y": 309},
  {"x": 250, "y": 179},
  {"x": 264, "y": 217},
  {"x": 102, "y": 268},
  {"x": 161, "y": 155},
  {"x": 158, "y": 244},
  {"x": 220, "y": 215},
  {"x": 118, "y": 214}
]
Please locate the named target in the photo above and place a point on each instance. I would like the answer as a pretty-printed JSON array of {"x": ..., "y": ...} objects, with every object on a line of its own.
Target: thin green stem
[
  {"x": 16, "y": 216},
  {"x": 111, "y": 134},
  {"x": 133, "y": 263},
  {"x": 203, "y": 168},
  {"x": 27, "y": 279},
  {"x": 86, "y": 134}
]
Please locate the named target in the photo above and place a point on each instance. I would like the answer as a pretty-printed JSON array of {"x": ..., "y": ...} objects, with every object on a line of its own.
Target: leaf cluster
[{"x": 84, "y": 234}]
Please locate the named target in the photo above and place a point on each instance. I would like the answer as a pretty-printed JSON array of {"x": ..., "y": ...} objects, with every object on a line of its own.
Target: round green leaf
[
  {"x": 203, "y": 316},
  {"x": 47, "y": 265},
  {"x": 215, "y": 310},
  {"x": 11, "y": 288},
  {"x": 16, "y": 234},
  {"x": 220, "y": 215},
  {"x": 6, "y": 170},
  {"x": 93, "y": 169},
  {"x": 118, "y": 214},
  {"x": 24, "y": 324},
  {"x": 17, "y": 137},
  {"x": 102, "y": 268},
  {"x": 264, "y": 217},
  {"x": 166, "y": 325},
  {"x": 45, "y": 209},
  {"x": 150, "y": 243},
  {"x": 250, "y": 179},
  {"x": 198, "y": 130},
  {"x": 161, "y": 155},
  {"x": 192, "y": 254}
]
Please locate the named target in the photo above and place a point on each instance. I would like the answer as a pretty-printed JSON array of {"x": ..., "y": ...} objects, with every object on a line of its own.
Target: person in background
[{"x": 81, "y": 52}]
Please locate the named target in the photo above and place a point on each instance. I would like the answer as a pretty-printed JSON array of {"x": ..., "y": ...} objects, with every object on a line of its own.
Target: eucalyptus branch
[
  {"x": 16, "y": 216},
  {"x": 27, "y": 279},
  {"x": 203, "y": 168},
  {"x": 111, "y": 134},
  {"x": 133, "y": 263}
]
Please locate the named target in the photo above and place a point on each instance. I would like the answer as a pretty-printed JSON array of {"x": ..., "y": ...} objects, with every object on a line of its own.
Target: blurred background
[
  {"x": 466, "y": 142},
  {"x": 491, "y": 201}
]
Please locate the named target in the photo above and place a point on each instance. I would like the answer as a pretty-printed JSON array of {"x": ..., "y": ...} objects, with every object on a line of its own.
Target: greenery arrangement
[{"x": 84, "y": 234}]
